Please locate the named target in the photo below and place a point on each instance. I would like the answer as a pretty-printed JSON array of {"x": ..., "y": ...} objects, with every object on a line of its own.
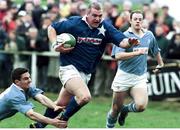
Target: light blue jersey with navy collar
[
  {"x": 138, "y": 64},
  {"x": 14, "y": 100}
]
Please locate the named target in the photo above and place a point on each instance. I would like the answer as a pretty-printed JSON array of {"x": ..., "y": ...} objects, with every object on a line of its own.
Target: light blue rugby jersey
[
  {"x": 138, "y": 64},
  {"x": 14, "y": 100},
  {"x": 91, "y": 42}
]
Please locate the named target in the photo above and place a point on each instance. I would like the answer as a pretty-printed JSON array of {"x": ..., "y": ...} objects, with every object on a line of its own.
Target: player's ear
[{"x": 16, "y": 81}]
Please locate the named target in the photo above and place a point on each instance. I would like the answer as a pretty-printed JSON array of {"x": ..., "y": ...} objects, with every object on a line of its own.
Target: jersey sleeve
[
  {"x": 154, "y": 48},
  {"x": 113, "y": 35},
  {"x": 33, "y": 91},
  {"x": 20, "y": 104},
  {"x": 59, "y": 26}
]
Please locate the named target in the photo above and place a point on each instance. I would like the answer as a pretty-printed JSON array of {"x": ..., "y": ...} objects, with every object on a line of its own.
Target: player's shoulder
[
  {"x": 75, "y": 18},
  {"x": 149, "y": 32},
  {"x": 107, "y": 24},
  {"x": 71, "y": 19},
  {"x": 128, "y": 32},
  {"x": 11, "y": 93}
]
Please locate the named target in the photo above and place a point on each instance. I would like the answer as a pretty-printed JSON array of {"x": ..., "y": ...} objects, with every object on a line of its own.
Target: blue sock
[
  {"x": 110, "y": 121},
  {"x": 131, "y": 107},
  {"x": 71, "y": 109}
]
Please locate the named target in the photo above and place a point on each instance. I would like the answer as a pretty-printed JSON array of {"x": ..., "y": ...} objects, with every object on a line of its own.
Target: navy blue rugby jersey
[{"x": 90, "y": 42}]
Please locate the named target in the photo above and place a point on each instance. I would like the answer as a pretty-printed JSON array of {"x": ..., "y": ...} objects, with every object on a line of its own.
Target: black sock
[
  {"x": 71, "y": 109},
  {"x": 49, "y": 113}
]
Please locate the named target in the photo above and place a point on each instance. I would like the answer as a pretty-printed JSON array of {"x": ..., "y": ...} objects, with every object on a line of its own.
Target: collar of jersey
[
  {"x": 17, "y": 87},
  {"x": 130, "y": 30}
]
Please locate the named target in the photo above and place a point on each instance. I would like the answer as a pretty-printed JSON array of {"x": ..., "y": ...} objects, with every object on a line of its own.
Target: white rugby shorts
[
  {"x": 69, "y": 71},
  {"x": 124, "y": 81}
]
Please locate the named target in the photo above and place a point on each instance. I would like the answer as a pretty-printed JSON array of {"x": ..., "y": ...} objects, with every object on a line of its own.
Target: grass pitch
[{"x": 157, "y": 115}]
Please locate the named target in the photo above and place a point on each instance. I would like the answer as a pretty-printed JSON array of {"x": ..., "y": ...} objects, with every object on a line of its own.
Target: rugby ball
[{"x": 67, "y": 39}]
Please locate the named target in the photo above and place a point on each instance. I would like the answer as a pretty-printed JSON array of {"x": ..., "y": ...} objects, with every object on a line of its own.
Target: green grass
[{"x": 158, "y": 115}]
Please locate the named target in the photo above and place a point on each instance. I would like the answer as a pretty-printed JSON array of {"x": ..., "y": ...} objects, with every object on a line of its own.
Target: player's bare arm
[
  {"x": 160, "y": 63},
  {"x": 128, "y": 55},
  {"x": 57, "y": 45},
  {"x": 48, "y": 102},
  {"x": 38, "y": 117}
]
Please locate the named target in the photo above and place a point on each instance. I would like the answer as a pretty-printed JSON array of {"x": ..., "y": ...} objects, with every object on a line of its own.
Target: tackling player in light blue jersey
[
  {"x": 92, "y": 33},
  {"x": 131, "y": 73},
  {"x": 15, "y": 99}
]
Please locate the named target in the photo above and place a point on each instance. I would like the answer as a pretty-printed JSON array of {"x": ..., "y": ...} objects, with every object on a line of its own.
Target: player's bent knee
[
  {"x": 85, "y": 100},
  {"x": 140, "y": 108}
]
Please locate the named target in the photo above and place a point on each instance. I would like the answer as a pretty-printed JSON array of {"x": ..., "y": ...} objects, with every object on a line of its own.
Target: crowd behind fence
[
  {"x": 54, "y": 85},
  {"x": 24, "y": 41}
]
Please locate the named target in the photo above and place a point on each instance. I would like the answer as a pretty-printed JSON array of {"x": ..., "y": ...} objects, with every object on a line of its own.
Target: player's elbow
[
  {"x": 30, "y": 114},
  {"x": 119, "y": 56},
  {"x": 124, "y": 43}
]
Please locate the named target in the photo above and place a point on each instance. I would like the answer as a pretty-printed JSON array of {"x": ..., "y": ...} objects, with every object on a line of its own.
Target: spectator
[
  {"x": 167, "y": 17},
  {"x": 41, "y": 46},
  {"x": 17, "y": 43},
  {"x": 105, "y": 72},
  {"x": 162, "y": 42},
  {"x": 5, "y": 59},
  {"x": 3, "y": 9},
  {"x": 174, "y": 47}
]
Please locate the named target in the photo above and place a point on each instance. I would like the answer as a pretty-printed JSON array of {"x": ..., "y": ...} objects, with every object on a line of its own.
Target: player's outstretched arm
[
  {"x": 48, "y": 102},
  {"x": 40, "y": 118},
  {"x": 129, "y": 42},
  {"x": 128, "y": 55}
]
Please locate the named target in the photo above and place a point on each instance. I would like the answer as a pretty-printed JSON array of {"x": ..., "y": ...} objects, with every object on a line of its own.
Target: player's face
[
  {"x": 94, "y": 17},
  {"x": 25, "y": 81},
  {"x": 136, "y": 21}
]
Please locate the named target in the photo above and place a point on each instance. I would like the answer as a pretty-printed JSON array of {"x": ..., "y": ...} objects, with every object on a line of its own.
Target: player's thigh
[
  {"x": 140, "y": 94},
  {"x": 77, "y": 87},
  {"x": 63, "y": 97}
]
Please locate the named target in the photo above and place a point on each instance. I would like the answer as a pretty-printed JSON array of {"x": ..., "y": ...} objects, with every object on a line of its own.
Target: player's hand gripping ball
[
  {"x": 66, "y": 39},
  {"x": 65, "y": 42}
]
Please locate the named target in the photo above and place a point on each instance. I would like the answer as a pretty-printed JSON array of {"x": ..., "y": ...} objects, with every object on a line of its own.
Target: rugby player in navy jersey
[
  {"x": 92, "y": 33},
  {"x": 131, "y": 73}
]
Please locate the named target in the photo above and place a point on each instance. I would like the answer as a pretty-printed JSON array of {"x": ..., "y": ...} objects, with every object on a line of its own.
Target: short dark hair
[
  {"x": 136, "y": 12},
  {"x": 95, "y": 5},
  {"x": 165, "y": 7},
  {"x": 16, "y": 73}
]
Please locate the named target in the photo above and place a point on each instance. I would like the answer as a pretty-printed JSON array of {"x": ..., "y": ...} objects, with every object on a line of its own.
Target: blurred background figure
[
  {"x": 17, "y": 43},
  {"x": 17, "y": 18},
  {"x": 104, "y": 75},
  {"x": 122, "y": 22},
  {"x": 127, "y": 5},
  {"x": 162, "y": 41},
  {"x": 174, "y": 47},
  {"x": 6, "y": 64},
  {"x": 168, "y": 19}
]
